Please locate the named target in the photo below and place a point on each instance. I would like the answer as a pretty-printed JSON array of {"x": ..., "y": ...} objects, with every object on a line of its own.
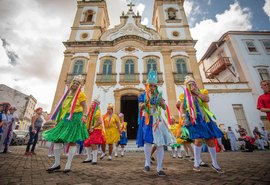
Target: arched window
[
  {"x": 89, "y": 16},
  {"x": 181, "y": 68},
  {"x": 129, "y": 66},
  {"x": 171, "y": 14},
  {"x": 151, "y": 64},
  {"x": 107, "y": 67},
  {"x": 78, "y": 67}
]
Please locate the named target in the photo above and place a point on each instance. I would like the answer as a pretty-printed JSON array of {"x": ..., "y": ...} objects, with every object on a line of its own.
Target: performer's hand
[{"x": 84, "y": 119}]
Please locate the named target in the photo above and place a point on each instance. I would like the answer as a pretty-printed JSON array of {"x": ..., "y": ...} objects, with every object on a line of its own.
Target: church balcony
[
  {"x": 70, "y": 77},
  {"x": 106, "y": 79},
  {"x": 160, "y": 78},
  {"x": 129, "y": 79},
  {"x": 180, "y": 78},
  {"x": 220, "y": 65}
]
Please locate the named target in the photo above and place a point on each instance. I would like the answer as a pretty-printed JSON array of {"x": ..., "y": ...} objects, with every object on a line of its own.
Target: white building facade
[{"x": 232, "y": 68}]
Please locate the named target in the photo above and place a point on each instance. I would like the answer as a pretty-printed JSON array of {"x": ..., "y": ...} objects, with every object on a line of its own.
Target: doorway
[{"x": 129, "y": 107}]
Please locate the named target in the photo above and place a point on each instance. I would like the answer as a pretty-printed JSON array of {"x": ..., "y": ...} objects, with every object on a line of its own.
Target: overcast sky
[{"x": 32, "y": 32}]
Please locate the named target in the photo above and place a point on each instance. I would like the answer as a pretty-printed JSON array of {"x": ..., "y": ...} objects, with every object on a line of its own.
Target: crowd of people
[{"x": 196, "y": 130}]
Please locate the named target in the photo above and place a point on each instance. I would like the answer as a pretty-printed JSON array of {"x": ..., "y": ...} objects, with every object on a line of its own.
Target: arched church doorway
[{"x": 129, "y": 107}]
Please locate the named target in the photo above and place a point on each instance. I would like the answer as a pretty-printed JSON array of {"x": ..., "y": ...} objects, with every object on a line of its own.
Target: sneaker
[
  {"x": 217, "y": 170},
  {"x": 102, "y": 155},
  {"x": 109, "y": 158},
  {"x": 180, "y": 157},
  {"x": 203, "y": 164},
  {"x": 196, "y": 169},
  {"x": 146, "y": 169},
  {"x": 161, "y": 173},
  {"x": 174, "y": 156},
  {"x": 115, "y": 155}
]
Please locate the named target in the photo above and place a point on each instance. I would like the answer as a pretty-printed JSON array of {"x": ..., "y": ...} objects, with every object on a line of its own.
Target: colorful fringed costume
[
  {"x": 69, "y": 131},
  {"x": 199, "y": 119},
  {"x": 111, "y": 131},
  {"x": 97, "y": 135},
  {"x": 123, "y": 137},
  {"x": 154, "y": 121},
  {"x": 201, "y": 124}
]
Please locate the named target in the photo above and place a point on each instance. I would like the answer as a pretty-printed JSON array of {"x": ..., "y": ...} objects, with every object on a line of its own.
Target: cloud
[
  {"x": 209, "y": 2},
  {"x": 188, "y": 7},
  {"x": 35, "y": 31},
  {"x": 207, "y": 31},
  {"x": 266, "y": 8},
  {"x": 12, "y": 56}
]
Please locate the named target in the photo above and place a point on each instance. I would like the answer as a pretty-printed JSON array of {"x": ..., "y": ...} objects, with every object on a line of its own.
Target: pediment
[{"x": 130, "y": 25}]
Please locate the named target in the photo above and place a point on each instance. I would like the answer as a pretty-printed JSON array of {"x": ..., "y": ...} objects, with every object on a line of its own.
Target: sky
[{"x": 32, "y": 32}]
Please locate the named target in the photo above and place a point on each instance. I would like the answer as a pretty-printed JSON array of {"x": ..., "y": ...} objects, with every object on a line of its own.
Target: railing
[
  {"x": 106, "y": 79},
  {"x": 160, "y": 78},
  {"x": 180, "y": 78},
  {"x": 129, "y": 78},
  {"x": 220, "y": 65},
  {"x": 70, "y": 77}
]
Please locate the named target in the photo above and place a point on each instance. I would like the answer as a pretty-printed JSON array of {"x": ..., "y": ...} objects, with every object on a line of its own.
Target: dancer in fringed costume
[
  {"x": 96, "y": 133},
  {"x": 200, "y": 122},
  {"x": 176, "y": 148},
  {"x": 112, "y": 131},
  {"x": 123, "y": 138},
  {"x": 153, "y": 127},
  {"x": 71, "y": 113}
]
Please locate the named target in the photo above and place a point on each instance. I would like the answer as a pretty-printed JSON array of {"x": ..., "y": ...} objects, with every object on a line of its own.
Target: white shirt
[
  {"x": 265, "y": 134},
  {"x": 230, "y": 134}
]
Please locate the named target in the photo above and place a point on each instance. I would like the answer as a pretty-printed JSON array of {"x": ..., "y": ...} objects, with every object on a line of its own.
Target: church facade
[{"x": 115, "y": 62}]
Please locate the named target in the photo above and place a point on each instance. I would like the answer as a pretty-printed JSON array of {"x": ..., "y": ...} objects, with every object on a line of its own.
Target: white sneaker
[
  {"x": 115, "y": 155},
  {"x": 109, "y": 158},
  {"x": 102, "y": 155},
  {"x": 174, "y": 156}
]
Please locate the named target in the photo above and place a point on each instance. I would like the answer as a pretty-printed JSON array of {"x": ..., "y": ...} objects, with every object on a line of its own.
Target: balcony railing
[
  {"x": 129, "y": 78},
  {"x": 220, "y": 65},
  {"x": 106, "y": 79},
  {"x": 180, "y": 78},
  {"x": 160, "y": 78},
  {"x": 70, "y": 77}
]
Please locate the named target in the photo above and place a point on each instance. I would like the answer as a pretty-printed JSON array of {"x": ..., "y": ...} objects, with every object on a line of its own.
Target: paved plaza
[{"x": 239, "y": 167}]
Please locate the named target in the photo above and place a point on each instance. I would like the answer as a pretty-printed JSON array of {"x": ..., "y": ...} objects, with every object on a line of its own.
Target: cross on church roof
[{"x": 130, "y": 6}]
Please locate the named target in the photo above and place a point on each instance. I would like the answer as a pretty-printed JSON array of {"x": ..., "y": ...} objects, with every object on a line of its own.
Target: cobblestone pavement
[{"x": 240, "y": 168}]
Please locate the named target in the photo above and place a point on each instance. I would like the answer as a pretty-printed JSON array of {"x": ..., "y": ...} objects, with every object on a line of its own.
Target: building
[
  {"x": 232, "y": 69},
  {"x": 25, "y": 104},
  {"x": 115, "y": 62}
]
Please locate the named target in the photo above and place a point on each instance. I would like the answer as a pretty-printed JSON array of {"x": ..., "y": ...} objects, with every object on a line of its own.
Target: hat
[
  {"x": 121, "y": 115},
  {"x": 110, "y": 106},
  {"x": 78, "y": 78},
  {"x": 189, "y": 79},
  {"x": 37, "y": 109},
  {"x": 96, "y": 100},
  {"x": 12, "y": 108},
  {"x": 152, "y": 77}
]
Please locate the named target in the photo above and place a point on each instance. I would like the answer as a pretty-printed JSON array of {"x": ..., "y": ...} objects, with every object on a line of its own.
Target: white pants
[{"x": 233, "y": 144}]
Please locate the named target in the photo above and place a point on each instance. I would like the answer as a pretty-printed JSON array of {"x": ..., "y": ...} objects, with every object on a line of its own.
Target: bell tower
[
  {"x": 91, "y": 20},
  {"x": 170, "y": 21}
]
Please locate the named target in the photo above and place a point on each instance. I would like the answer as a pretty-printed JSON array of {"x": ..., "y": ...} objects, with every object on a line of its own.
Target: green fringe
[{"x": 67, "y": 131}]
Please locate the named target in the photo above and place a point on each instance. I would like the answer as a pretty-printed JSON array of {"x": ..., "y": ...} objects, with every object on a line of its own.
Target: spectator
[
  {"x": 232, "y": 139},
  {"x": 265, "y": 135},
  {"x": 35, "y": 127},
  {"x": 263, "y": 103},
  {"x": 258, "y": 138},
  {"x": 10, "y": 123}
]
